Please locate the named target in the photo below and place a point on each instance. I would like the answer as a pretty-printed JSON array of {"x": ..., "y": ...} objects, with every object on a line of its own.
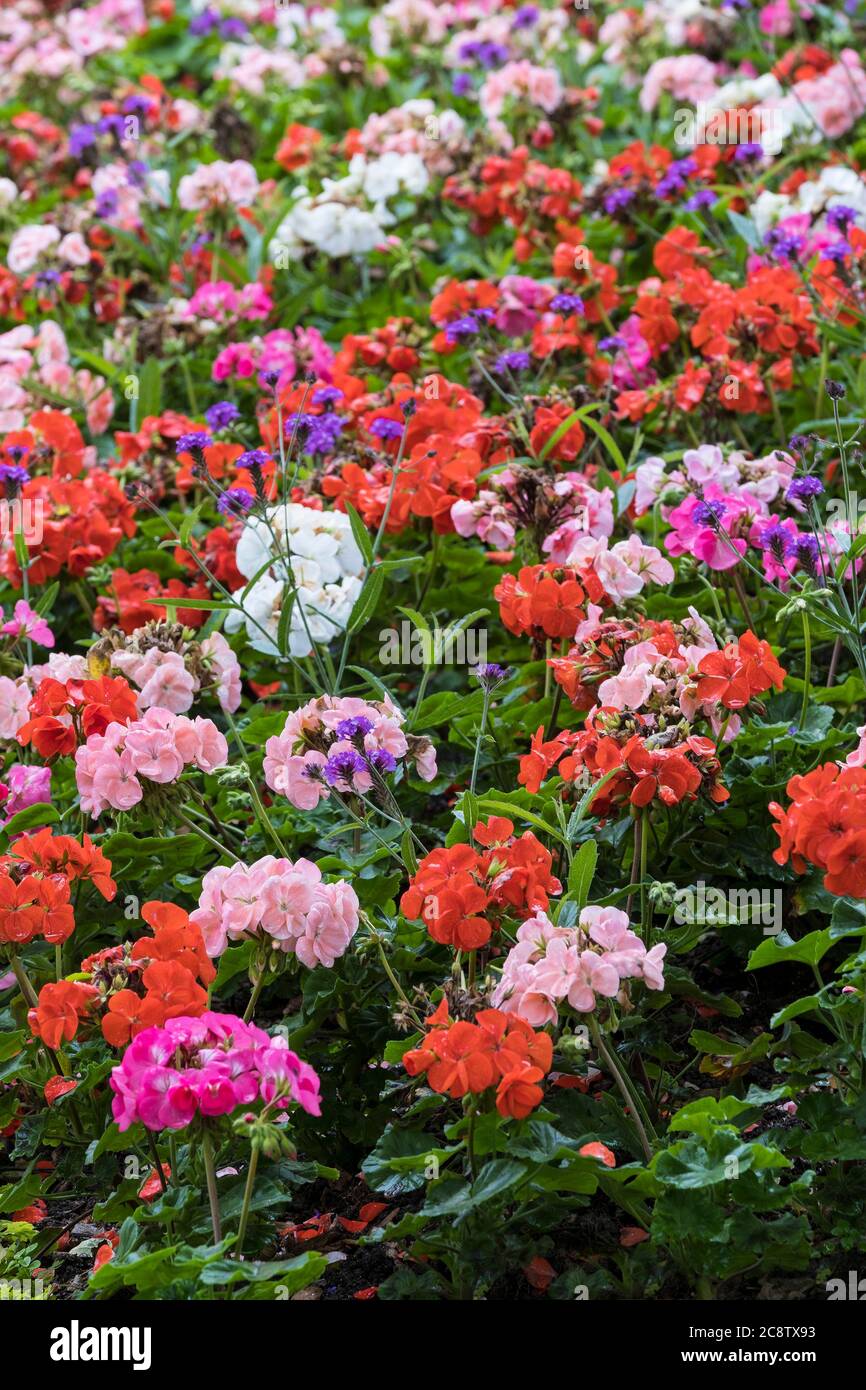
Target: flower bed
[{"x": 432, "y": 674}]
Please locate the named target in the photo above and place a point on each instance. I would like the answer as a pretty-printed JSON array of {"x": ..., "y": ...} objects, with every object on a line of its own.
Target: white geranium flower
[{"x": 312, "y": 561}]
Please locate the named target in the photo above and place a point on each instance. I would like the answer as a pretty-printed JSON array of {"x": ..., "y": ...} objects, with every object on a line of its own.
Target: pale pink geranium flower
[
  {"x": 631, "y": 687},
  {"x": 14, "y": 703},
  {"x": 687, "y": 76},
  {"x": 651, "y": 966},
  {"x": 166, "y": 682},
  {"x": 595, "y": 975},
  {"x": 152, "y": 749},
  {"x": 73, "y": 249},
  {"x": 28, "y": 244},
  {"x": 226, "y": 670},
  {"x": 115, "y": 782},
  {"x": 28, "y": 623},
  {"x": 559, "y": 971},
  {"x": 287, "y": 897},
  {"x": 218, "y": 184},
  {"x": 199, "y": 741},
  {"x": 425, "y": 761},
  {"x": 331, "y": 923},
  {"x": 302, "y": 789}
]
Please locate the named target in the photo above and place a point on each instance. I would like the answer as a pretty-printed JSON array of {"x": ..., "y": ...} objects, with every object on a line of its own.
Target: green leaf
[
  {"x": 150, "y": 389},
  {"x": 367, "y": 600},
  {"x": 40, "y": 813},
  {"x": 361, "y": 534},
  {"x": 206, "y": 605},
  {"x": 807, "y": 951},
  {"x": 745, "y": 228},
  {"x": 582, "y": 872}
]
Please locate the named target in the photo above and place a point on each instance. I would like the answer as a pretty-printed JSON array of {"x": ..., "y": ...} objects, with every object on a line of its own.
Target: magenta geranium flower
[{"x": 28, "y": 623}]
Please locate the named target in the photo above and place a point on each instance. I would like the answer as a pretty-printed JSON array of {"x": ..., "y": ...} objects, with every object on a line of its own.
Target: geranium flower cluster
[
  {"x": 494, "y": 1050},
  {"x": 462, "y": 893},
  {"x": 739, "y": 673},
  {"x": 169, "y": 668},
  {"x": 133, "y": 986},
  {"x": 114, "y": 769},
  {"x": 81, "y": 519},
  {"x": 342, "y": 744},
  {"x": 623, "y": 569},
  {"x": 64, "y": 713},
  {"x": 405, "y": 129},
  {"x": 23, "y": 786},
  {"x": 285, "y": 351},
  {"x": 550, "y": 967},
  {"x": 302, "y": 556},
  {"x": 548, "y": 600},
  {"x": 672, "y": 673},
  {"x": 204, "y": 1068},
  {"x": 282, "y": 904},
  {"x": 641, "y": 764},
  {"x": 349, "y": 216},
  {"x": 824, "y": 825},
  {"x": 444, "y": 438},
  {"x": 728, "y": 509},
  {"x": 36, "y": 879},
  {"x": 34, "y": 357},
  {"x": 557, "y": 507}
]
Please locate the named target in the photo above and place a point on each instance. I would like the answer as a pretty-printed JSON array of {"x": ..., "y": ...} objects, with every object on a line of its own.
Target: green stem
[
  {"x": 212, "y": 1195},
  {"x": 478, "y": 742},
  {"x": 24, "y": 984},
  {"x": 398, "y": 988},
  {"x": 644, "y": 845},
  {"x": 254, "y": 997},
  {"x": 245, "y": 1209},
  {"x": 157, "y": 1162},
  {"x": 807, "y": 669},
  {"x": 264, "y": 819},
  {"x": 470, "y": 1143},
  {"x": 625, "y": 1088},
  {"x": 208, "y": 839}
]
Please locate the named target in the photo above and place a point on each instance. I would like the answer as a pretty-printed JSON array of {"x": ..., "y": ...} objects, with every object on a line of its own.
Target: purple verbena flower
[
  {"x": 490, "y": 674},
  {"x": 254, "y": 459},
  {"x": 778, "y": 540},
  {"x": 804, "y": 489},
  {"x": 708, "y": 513},
  {"x": 748, "y": 151},
  {"x": 234, "y": 501},
  {"x": 81, "y": 137},
  {"x": 323, "y": 433},
  {"x": 353, "y": 728},
  {"x": 342, "y": 767},
  {"x": 840, "y": 217},
  {"x": 704, "y": 198},
  {"x": 525, "y": 17},
  {"x": 518, "y": 361},
  {"x": 204, "y": 23},
  {"x": 385, "y": 428},
  {"x": 382, "y": 760},
  {"x": 221, "y": 415},
  {"x": 458, "y": 329},
  {"x": 618, "y": 199},
  {"x": 566, "y": 304},
  {"x": 193, "y": 443}
]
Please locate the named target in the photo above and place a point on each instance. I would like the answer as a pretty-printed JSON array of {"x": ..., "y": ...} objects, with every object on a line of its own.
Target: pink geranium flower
[{"x": 28, "y": 623}]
